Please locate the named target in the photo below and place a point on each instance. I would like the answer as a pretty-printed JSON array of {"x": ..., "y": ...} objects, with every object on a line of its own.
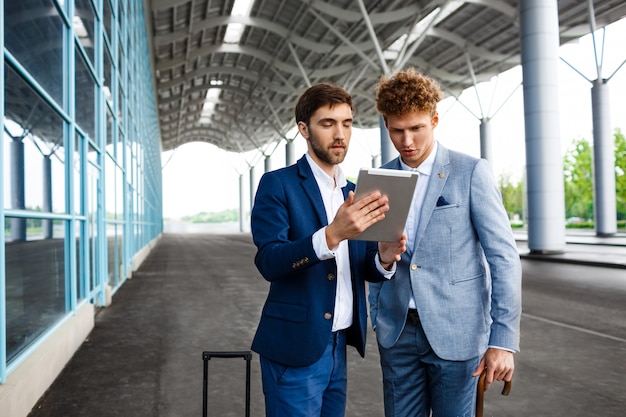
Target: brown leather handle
[{"x": 480, "y": 392}]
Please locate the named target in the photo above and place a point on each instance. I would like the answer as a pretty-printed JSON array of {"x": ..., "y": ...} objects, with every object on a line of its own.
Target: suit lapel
[
  {"x": 436, "y": 182},
  {"x": 312, "y": 190}
]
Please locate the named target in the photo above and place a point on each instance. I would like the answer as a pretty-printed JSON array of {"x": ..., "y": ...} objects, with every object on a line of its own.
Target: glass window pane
[
  {"x": 119, "y": 194},
  {"x": 120, "y": 145},
  {"x": 34, "y": 36},
  {"x": 84, "y": 24},
  {"x": 92, "y": 154},
  {"x": 85, "y": 103},
  {"x": 81, "y": 259},
  {"x": 110, "y": 131},
  {"x": 115, "y": 241},
  {"x": 35, "y": 282},
  {"x": 78, "y": 163},
  {"x": 33, "y": 135},
  {"x": 107, "y": 18},
  {"x": 56, "y": 199},
  {"x": 121, "y": 82},
  {"x": 92, "y": 218},
  {"x": 109, "y": 169},
  {"x": 108, "y": 70}
]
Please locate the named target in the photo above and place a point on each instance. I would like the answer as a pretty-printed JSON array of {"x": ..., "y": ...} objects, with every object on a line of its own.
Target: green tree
[
  {"x": 512, "y": 195},
  {"x": 229, "y": 215},
  {"x": 578, "y": 177},
  {"x": 620, "y": 174}
]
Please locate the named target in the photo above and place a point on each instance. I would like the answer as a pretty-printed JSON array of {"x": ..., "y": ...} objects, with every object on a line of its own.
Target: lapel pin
[{"x": 441, "y": 175}]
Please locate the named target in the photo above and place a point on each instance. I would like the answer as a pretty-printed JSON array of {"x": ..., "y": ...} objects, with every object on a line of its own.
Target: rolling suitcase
[
  {"x": 206, "y": 356},
  {"x": 480, "y": 393}
]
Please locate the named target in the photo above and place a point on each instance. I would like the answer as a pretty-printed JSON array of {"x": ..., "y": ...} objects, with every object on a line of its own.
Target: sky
[{"x": 199, "y": 177}]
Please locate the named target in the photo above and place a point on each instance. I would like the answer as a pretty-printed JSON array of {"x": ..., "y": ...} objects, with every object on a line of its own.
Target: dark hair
[
  {"x": 317, "y": 96},
  {"x": 405, "y": 92}
]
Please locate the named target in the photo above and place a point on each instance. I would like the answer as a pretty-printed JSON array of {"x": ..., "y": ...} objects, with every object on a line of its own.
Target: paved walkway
[{"x": 200, "y": 292}]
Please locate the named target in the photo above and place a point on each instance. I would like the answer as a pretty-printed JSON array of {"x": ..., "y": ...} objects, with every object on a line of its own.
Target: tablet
[{"x": 399, "y": 187}]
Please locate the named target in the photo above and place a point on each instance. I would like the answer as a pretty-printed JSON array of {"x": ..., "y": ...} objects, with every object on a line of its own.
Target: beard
[{"x": 328, "y": 154}]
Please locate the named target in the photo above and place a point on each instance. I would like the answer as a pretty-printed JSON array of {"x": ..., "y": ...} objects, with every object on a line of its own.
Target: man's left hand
[{"x": 500, "y": 366}]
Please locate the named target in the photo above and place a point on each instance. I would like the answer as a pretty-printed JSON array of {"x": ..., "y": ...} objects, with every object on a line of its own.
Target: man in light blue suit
[
  {"x": 316, "y": 303},
  {"x": 453, "y": 306}
]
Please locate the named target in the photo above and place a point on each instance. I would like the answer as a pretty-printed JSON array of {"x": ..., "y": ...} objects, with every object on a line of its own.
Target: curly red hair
[{"x": 407, "y": 91}]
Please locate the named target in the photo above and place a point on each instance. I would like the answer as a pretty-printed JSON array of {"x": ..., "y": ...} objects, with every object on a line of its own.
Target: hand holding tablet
[{"x": 399, "y": 187}]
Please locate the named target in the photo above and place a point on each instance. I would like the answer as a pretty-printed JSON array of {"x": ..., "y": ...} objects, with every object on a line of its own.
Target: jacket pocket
[
  {"x": 461, "y": 280},
  {"x": 283, "y": 311}
]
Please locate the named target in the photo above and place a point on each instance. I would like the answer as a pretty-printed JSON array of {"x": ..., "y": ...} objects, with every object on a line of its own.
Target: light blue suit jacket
[
  {"x": 297, "y": 317},
  {"x": 465, "y": 271}
]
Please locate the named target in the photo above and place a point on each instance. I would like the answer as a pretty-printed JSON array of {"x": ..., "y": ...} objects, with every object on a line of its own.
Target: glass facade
[{"x": 81, "y": 166}]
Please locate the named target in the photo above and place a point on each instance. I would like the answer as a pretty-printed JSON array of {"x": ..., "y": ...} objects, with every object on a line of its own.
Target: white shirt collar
[{"x": 323, "y": 178}]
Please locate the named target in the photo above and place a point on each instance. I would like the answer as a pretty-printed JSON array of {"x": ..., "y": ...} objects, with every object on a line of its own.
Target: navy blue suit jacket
[{"x": 297, "y": 317}]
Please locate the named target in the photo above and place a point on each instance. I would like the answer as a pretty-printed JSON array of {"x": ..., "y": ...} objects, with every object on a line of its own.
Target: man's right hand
[{"x": 353, "y": 217}]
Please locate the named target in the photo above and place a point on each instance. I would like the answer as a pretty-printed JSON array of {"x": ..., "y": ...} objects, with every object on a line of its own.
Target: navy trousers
[{"x": 317, "y": 390}]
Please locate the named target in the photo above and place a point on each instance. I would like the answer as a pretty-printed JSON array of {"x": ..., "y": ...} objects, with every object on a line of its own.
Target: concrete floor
[{"x": 199, "y": 292}]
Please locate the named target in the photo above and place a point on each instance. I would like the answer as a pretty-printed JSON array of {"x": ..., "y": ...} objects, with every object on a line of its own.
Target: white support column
[
  {"x": 387, "y": 151},
  {"x": 603, "y": 161},
  {"x": 251, "y": 187},
  {"x": 539, "y": 32},
  {"x": 486, "y": 141},
  {"x": 46, "y": 224},
  {"x": 18, "y": 200},
  {"x": 290, "y": 153},
  {"x": 241, "y": 207},
  {"x": 268, "y": 163}
]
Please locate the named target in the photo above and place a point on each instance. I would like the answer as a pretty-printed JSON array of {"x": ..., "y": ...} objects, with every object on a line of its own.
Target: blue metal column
[
  {"x": 100, "y": 140},
  {"x": 603, "y": 161},
  {"x": 539, "y": 32},
  {"x": 3, "y": 293},
  {"x": 18, "y": 224},
  {"x": 69, "y": 133},
  {"x": 387, "y": 151},
  {"x": 486, "y": 141}
]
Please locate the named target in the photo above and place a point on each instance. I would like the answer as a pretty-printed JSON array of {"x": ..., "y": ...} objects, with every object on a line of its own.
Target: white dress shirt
[
  {"x": 332, "y": 195},
  {"x": 412, "y": 222}
]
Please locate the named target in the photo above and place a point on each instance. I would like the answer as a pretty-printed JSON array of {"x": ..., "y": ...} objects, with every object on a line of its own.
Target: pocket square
[{"x": 442, "y": 202}]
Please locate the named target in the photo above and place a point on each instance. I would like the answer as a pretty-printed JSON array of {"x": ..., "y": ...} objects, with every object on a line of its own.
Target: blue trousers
[
  {"x": 317, "y": 390},
  {"x": 416, "y": 381}
]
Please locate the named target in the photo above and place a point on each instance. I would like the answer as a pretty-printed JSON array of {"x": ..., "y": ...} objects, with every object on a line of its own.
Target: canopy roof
[{"x": 238, "y": 91}]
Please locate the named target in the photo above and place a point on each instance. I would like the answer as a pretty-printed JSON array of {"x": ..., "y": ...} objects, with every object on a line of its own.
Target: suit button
[
  {"x": 328, "y": 316},
  {"x": 414, "y": 267},
  {"x": 330, "y": 277}
]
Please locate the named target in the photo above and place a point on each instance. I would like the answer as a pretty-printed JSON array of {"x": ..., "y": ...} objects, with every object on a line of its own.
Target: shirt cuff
[
  {"x": 321, "y": 247},
  {"x": 386, "y": 274},
  {"x": 501, "y": 348}
]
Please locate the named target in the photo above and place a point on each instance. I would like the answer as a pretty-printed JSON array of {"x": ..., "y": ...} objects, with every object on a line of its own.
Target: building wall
[{"x": 81, "y": 200}]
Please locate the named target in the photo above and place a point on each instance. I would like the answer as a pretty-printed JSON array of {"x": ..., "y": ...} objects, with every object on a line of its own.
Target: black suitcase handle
[{"x": 206, "y": 356}]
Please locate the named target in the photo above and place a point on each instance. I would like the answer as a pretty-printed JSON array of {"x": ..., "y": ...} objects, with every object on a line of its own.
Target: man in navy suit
[
  {"x": 453, "y": 306},
  {"x": 302, "y": 218}
]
